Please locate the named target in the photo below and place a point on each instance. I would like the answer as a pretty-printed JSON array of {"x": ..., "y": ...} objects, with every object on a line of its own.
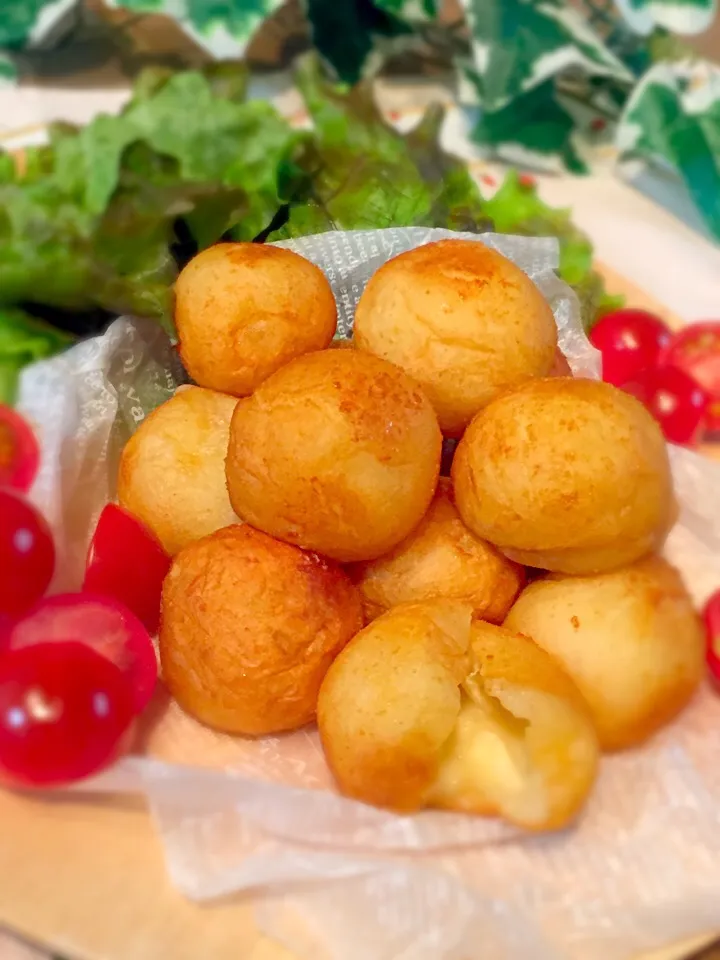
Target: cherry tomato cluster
[
  {"x": 76, "y": 669},
  {"x": 676, "y": 376}
]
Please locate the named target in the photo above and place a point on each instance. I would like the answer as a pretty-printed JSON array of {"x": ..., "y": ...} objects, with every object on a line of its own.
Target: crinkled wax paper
[{"x": 336, "y": 880}]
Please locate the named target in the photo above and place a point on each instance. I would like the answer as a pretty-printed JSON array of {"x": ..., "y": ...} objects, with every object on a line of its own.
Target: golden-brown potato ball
[
  {"x": 566, "y": 475},
  {"x": 338, "y": 452},
  {"x": 460, "y": 318},
  {"x": 172, "y": 470},
  {"x": 630, "y": 639},
  {"x": 426, "y": 708},
  {"x": 441, "y": 559},
  {"x": 249, "y": 627},
  {"x": 243, "y": 310},
  {"x": 391, "y": 700},
  {"x": 524, "y": 746}
]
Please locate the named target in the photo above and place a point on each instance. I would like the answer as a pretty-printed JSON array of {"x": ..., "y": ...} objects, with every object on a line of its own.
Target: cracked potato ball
[
  {"x": 567, "y": 475},
  {"x": 426, "y": 707},
  {"x": 338, "y": 452},
  {"x": 243, "y": 310},
  {"x": 172, "y": 469},
  {"x": 630, "y": 640},
  {"x": 463, "y": 320},
  {"x": 249, "y": 627},
  {"x": 441, "y": 559}
]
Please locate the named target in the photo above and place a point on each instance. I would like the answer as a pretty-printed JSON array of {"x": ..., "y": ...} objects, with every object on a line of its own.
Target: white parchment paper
[{"x": 336, "y": 880}]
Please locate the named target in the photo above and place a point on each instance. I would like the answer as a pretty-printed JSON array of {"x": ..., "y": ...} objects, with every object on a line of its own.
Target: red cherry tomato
[
  {"x": 127, "y": 562},
  {"x": 100, "y": 623},
  {"x": 678, "y": 404},
  {"x": 696, "y": 350},
  {"x": 64, "y": 711},
  {"x": 19, "y": 452},
  {"x": 5, "y": 626},
  {"x": 630, "y": 341},
  {"x": 27, "y": 554},
  {"x": 711, "y": 618}
]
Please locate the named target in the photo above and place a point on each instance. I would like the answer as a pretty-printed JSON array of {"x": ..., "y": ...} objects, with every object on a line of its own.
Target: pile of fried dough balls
[{"x": 364, "y": 590}]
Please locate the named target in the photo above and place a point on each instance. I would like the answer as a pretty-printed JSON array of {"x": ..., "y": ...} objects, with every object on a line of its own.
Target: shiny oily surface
[
  {"x": 565, "y": 474},
  {"x": 338, "y": 452},
  {"x": 460, "y": 318}
]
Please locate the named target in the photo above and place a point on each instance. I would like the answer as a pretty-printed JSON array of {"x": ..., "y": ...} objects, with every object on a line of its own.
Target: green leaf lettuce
[
  {"x": 517, "y": 208},
  {"x": 363, "y": 174},
  {"x": 23, "y": 339}
]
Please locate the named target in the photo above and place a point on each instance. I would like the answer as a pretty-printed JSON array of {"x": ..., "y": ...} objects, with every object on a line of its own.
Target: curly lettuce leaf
[
  {"x": 134, "y": 265},
  {"x": 363, "y": 174},
  {"x": 44, "y": 238},
  {"x": 24, "y": 339},
  {"x": 98, "y": 219},
  {"x": 96, "y": 222},
  {"x": 56, "y": 253},
  {"x": 214, "y": 139}
]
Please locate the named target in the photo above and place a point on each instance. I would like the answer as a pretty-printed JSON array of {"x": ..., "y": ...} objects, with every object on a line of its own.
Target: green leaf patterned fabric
[
  {"x": 23, "y": 21},
  {"x": 518, "y": 45},
  {"x": 532, "y": 130},
  {"x": 346, "y": 34},
  {"x": 674, "y": 116},
  {"x": 411, "y": 10},
  {"x": 223, "y": 27},
  {"x": 678, "y": 16}
]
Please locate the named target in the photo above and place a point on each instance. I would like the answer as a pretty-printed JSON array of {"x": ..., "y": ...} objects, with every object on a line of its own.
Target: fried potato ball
[
  {"x": 524, "y": 747},
  {"x": 243, "y": 310},
  {"x": 172, "y": 470},
  {"x": 565, "y": 475},
  {"x": 442, "y": 559},
  {"x": 249, "y": 627},
  {"x": 426, "y": 708},
  {"x": 338, "y": 452},
  {"x": 391, "y": 700},
  {"x": 460, "y": 318},
  {"x": 630, "y": 640}
]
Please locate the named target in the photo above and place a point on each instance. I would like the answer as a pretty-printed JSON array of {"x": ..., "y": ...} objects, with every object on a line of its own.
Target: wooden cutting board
[{"x": 88, "y": 879}]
